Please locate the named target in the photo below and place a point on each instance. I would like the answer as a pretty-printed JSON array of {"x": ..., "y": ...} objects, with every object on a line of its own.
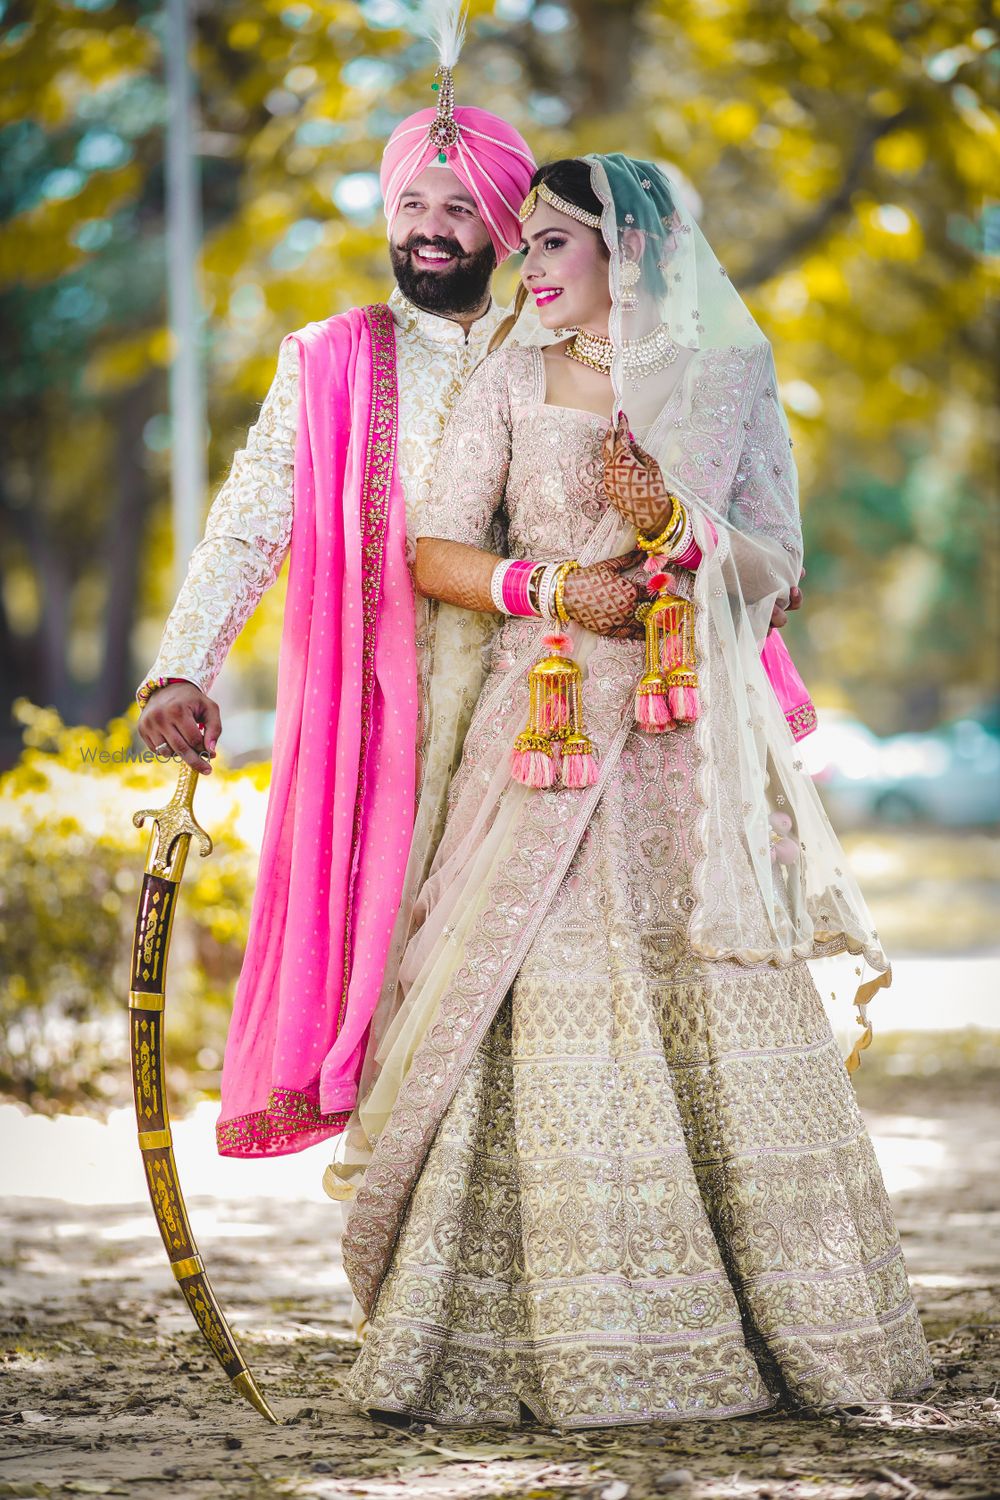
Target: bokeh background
[{"x": 846, "y": 155}]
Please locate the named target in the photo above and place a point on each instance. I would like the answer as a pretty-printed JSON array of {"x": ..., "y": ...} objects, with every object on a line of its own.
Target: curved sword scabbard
[{"x": 173, "y": 828}]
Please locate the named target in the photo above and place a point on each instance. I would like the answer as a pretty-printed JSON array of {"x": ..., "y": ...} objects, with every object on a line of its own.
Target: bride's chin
[{"x": 553, "y": 314}]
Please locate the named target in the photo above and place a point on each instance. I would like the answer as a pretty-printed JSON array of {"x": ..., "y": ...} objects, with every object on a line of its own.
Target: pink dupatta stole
[
  {"x": 789, "y": 689},
  {"x": 341, "y": 805}
]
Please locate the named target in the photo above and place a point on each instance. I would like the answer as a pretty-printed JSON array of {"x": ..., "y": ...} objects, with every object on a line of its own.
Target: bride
[{"x": 607, "y": 1165}]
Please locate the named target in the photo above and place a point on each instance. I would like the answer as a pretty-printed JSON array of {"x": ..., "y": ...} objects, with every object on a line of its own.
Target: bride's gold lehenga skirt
[{"x": 647, "y": 1201}]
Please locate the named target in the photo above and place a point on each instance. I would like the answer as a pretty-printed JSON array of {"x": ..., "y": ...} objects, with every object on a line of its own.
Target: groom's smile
[{"x": 435, "y": 255}]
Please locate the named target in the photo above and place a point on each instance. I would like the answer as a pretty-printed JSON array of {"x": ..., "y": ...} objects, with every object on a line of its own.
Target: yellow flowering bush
[{"x": 71, "y": 863}]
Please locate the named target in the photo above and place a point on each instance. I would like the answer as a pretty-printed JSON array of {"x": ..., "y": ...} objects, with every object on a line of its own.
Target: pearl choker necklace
[{"x": 654, "y": 351}]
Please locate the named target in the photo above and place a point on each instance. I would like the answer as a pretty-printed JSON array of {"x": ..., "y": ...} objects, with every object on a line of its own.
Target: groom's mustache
[{"x": 421, "y": 242}]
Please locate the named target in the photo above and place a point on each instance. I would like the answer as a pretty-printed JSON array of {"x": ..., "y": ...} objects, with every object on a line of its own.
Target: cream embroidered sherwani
[{"x": 249, "y": 525}]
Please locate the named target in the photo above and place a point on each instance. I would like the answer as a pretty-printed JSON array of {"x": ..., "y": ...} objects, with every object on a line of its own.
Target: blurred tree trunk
[
  {"x": 607, "y": 36},
  {"x": 19, "y": 654},
  {"x": 113, "y": 690},
  {"x": 53, "y": 573},
  {"x": 36, "y": 663}
]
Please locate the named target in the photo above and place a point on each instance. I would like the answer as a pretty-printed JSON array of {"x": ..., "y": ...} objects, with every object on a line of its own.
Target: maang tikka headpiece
[{"x": 592, "y": 221}]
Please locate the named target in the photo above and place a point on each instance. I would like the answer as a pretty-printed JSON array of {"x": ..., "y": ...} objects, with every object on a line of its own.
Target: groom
[
  {"x": 450, "y": 223},
  {"x": 334, "y": 472}
]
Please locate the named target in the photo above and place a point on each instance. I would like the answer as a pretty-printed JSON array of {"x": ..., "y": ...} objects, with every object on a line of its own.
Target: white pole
[{"x": 188, "y": 425}]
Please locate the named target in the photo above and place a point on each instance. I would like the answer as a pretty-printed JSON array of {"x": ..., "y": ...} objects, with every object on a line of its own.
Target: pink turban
[{"x": 489, "y": 158}]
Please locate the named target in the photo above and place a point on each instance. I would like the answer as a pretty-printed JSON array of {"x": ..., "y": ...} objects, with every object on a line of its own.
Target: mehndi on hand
[
  {"x": 603, "y": 596},
  {"x": 634, "y": 481}
]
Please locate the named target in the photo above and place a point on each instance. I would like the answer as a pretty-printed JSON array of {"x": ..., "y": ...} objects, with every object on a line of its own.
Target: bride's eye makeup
[{"x": 554, "y": 242}]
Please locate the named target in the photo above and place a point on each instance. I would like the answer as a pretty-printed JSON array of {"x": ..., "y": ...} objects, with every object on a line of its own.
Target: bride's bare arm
[
  {"x": 454, "y": 572},
  {"x": 601, "y": 598}
]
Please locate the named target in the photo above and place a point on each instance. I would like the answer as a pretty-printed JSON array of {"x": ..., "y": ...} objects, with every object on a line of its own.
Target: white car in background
[{"x": 949, "y": 775}]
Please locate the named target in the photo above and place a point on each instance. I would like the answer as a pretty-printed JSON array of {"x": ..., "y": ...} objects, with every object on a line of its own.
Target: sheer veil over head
[{"x": 708, "y": 411}]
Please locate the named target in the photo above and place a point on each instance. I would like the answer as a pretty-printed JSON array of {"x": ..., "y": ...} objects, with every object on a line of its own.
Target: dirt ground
[{"x": 105, "y": 1388}]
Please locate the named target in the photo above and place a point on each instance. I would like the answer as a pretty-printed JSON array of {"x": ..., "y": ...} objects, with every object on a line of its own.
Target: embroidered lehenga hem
[{"x": 505, "y": 1419}]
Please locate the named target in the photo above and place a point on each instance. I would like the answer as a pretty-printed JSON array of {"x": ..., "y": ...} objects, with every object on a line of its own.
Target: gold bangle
[
  {"x": 149, "y": 687},
  {"x": 678, "y": 530},
  {"x": 565, "y": 569},
  {"x": 673, "y": 528}
]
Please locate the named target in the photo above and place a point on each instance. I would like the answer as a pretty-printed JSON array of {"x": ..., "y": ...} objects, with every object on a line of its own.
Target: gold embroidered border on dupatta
[{"x": 380, "y": 460}]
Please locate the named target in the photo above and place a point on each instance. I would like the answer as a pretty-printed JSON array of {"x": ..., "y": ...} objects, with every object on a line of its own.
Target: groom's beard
[{"x": 462, "y": 289}]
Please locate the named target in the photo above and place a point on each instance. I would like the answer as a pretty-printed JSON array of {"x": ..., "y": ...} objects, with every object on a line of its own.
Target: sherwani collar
[{"x": 437, "y": 330}]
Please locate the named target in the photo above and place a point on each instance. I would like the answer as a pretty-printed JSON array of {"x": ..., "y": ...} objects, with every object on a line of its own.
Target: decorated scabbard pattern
[{"x": 173, "y": 828}]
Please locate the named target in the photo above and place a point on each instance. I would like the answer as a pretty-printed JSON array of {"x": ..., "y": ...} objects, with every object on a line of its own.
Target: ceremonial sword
[{"x": 170, "y": 836}]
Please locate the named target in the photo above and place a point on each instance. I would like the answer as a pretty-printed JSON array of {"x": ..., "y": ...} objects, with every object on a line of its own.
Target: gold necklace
[
  {"x": 654, "y": 351},
  {"x": 591, "y": 349}
]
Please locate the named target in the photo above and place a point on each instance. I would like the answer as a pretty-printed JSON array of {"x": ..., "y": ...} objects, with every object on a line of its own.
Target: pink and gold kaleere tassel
[
  {"x": 553, "y": 743},
  {"x": 667, "y": 694}
]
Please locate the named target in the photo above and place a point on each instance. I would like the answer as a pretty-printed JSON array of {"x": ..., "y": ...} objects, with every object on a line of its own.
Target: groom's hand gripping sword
[{"x": 173, "y": 828}]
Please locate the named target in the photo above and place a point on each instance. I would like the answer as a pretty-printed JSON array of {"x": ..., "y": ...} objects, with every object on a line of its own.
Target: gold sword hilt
[
  {"x": 173, "y": 828},
  {"x": 171, "y": 824}
]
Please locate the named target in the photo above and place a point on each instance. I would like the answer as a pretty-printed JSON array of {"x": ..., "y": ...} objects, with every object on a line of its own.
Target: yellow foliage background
[{"x": 846, "y": 155}]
